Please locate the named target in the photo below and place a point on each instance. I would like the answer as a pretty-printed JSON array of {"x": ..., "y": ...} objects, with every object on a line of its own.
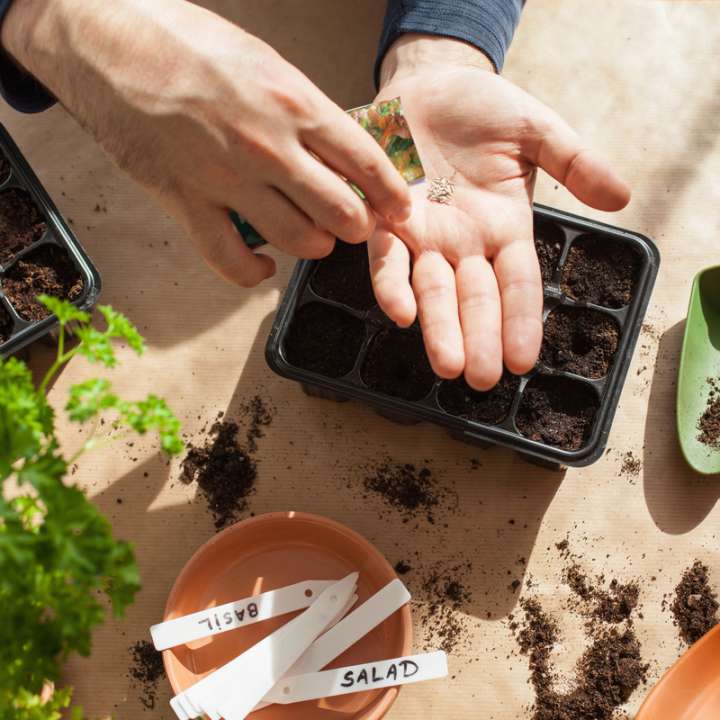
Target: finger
[
  {"x": 390, "y": 272},
  {"x": 352, "y": 151},
  {"x": 518, "y": 277},
  {"x": 328, "y": 200},
  {"x": 481, "y": 319},
  {"x": 222, "y": 248},
  {"x": 285, "y": 226},
  {"x": 585, "y": 173},
  {"x": 433, "y": 280}
]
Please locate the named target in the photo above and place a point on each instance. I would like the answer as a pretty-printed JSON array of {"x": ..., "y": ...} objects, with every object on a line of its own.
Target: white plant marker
[
  {"x": 239, "y": 613},
  {"x": 233, "y": 690},
  {"x": 348, "y": 631},
  {"x": 358, "y": 678}
]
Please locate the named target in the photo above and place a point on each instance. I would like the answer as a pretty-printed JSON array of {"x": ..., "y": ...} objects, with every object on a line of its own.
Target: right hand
[{"x": 208, "y": 118}]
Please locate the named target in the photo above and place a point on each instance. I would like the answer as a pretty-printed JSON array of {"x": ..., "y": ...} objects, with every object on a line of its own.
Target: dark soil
[
  {"x": 6, "y": 325},
  {"x": 580, "y": 341},
  {"x": 445, "y": 592},
  {"x": 4, "y": 168},
  {"x": 146, "y": 670},
  {"x": 549, "y": 241},
  {"x": 48, "y": 270},
  {"x": 458, "y": 398},
  {"x": 402, "y": 568},
  {"x": 396, "y": 364},
  {"x": 224, "y": 471},
  {"x": 557, "y": 411},
  {"x": 695, "y": 606},
  {"x": 612, "y": 605},
  {"x": 606, "y": 675},
  {"x": 260, "y": 416},
  {"x": 631, "y": 465},
  {"x": 324, "y": 339},
  {"x": 603, "y": 271},
  {"x": 344, "y": 276},
  {"x": 411, "y": 491},
  {"x": 709, "y": 422},
  {"x": 21, "y": 223}
]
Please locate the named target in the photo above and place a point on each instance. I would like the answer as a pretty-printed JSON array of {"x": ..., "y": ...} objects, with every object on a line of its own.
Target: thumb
[{"x": 557, "y": 149}]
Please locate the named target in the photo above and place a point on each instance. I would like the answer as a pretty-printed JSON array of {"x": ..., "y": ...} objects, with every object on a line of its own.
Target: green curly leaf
[
  {"x": 118, "y": 326},
  {"x": 63, "y": 309},
  {"x": 89, "y": 398}
]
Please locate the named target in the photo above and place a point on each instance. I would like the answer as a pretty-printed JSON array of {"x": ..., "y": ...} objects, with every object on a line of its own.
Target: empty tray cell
[
  {"x": 396, "y": 364},
  {"x": 21, "y": 223},
  {"x": 49, "y": 270},
  {"x": 580, "y": 340},
  {"x": 557, "y": 411},
  {"x": 456, "y": 397},
  {"x": 601, "y": 270},
  {"x": 324, "y": 339},
  {"x": 6, "y": 325},
  {"x": 344, "y": 276},
  {"x": 549, "y": 242}
]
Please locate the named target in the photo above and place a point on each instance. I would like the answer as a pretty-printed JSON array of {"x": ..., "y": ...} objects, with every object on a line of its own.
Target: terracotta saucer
[
  {"x": 268, "y": 552},
  {"x": 690, "y": 689}
]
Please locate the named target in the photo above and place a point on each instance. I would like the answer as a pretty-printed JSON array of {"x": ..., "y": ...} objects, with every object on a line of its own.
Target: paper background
[{"x": 640, "y": 81}]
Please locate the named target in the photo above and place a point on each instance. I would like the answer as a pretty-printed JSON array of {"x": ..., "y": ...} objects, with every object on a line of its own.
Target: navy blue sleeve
[
  {"x": 19, "y": 88},
  {"x": 487, "y": 24}
]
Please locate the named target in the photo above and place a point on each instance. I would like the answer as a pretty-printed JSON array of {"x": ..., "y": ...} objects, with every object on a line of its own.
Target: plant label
[
  {"x": 356, "y": 678},
  {"x": 239, "y": 613}
]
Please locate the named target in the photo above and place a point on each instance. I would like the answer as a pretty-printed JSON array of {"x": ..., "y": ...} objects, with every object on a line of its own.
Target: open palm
[{"x": 475, "y": 282}]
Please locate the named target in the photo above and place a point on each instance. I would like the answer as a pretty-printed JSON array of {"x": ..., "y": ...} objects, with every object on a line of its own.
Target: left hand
[{"x": 475, "y": 281}]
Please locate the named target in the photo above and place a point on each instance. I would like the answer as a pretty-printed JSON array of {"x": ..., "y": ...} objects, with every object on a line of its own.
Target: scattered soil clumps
[
  {"x": 631, "y": 465},
  {"x": 396, "y": 364},
  {"x": 445, "y": 592},
  {"x": 344, "y": 276},
  {"x": 709, "y": 422},
  {"x": 492, "y": 407},
  {"x": 614, "y": 605},
  {"x": 549, "y": 241},
  {"x": 602, "y": 271},
  {"x": 413, "y": 492},
  {"x": 146, "y": 670},
  {"x": 21, "y": 222},
  {"x": 557, "y": 411},
  {"x": 324, "y": 339},
  {"x": 224, "y": 472},
  {"x": 580, "y": 341},
  {"x": 49, "y": 270},
  {"x": 695, "y": 606}
]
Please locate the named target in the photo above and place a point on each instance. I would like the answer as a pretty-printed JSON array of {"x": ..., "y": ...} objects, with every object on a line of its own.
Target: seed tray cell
[
  {"x": 330, "y": 336},
  {"x": 38, "y": 253}
]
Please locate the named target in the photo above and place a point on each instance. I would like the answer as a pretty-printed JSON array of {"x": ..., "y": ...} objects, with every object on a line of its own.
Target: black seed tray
[
  {"x": 18, "y": 175},
  {"x": 312, "y": 284}
]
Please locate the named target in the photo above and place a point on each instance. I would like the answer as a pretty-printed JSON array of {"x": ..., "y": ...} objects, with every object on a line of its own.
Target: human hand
[
  {"x": 475, "y": 282},
  {"x": 208, "y": 118}
]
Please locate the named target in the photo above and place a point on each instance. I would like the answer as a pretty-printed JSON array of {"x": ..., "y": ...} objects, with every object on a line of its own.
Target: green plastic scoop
[{"x": 699, "y": 360}]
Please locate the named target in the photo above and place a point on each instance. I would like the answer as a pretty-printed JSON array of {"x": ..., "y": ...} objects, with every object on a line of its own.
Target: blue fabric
[
  {"x": 489, "y": 25},
  {"x": 19, "y": 88}
]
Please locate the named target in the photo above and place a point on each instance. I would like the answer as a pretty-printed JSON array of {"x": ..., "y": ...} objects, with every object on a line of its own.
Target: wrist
[{"x": 412, "y": 54}]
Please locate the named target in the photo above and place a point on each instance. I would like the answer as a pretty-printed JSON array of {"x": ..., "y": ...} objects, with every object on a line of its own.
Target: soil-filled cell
[
  {"x": 580, "y": 340},
  {"x": 344, "y": 276},
  {"x": 557, "y": 411},
  {"x": 324, "y": 339},
  {"x": 396, "y": 364},
  {"x": 549, "y": 241},
  {"x": 6, "y": 325},
  {"x": 456, "y": 397},
  {"x": 601, "y": 270},
  {"x": 21, "y": 223},
  {"x": 47, "y": 270}
]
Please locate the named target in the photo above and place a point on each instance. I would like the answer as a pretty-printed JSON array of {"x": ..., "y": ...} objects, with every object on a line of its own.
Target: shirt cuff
[
  {"x": 20, "y": 89},
  {"x": 489, "y": 25}
]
